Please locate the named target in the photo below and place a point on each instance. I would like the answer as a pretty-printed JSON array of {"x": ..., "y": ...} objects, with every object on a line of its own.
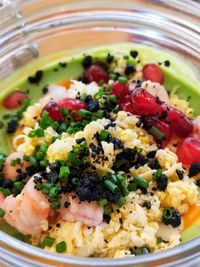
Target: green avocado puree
[{"x": 180, "y": 75}]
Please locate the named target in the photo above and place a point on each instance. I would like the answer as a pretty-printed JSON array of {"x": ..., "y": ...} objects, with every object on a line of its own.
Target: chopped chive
[
  {"x": 65, "y": 112},
  {"x": 156, "y": 132},
  {"x": 102, "y": 202},
  {"x": 19, "y": 236},
  {"x": 2, "y": 213},
  {"x": 53, "y": 192},
  {"x": 26, "y": 158},
  {"x": 40, "y": 155},
  {"x": 33, "y": 161},
  {"x": 121, "y": 202},
  {"x": 5, "y": 191},
  {"x": 84, "y": 113},
  {"x": 159, "y": 240},
  {"x": 6, "y": 116},
  {"x": 111, "y": 186},
  {"x": 39, "y": 132},
  {"x": 76, "y": 149},
  {"x": 120, "y": 162},
  {"x": 15, "y": 162},
  {"x": 43, "y": 148},
  {"x": 132, "y": 187},
  {"x": 48, "y": 241},
  {"x": 71, "y": 157},
  {"x": 64, "y": 171},
  {"x": 104, "y": 135},
  {"x": 44, "y": 163},
  {"x": 157, "y": 174},
  {"x": 141, "y": 182},
  {"x": 32, "y": 134},
  {"x": 74, "y": 181},
  {"x": 55, "y": 204},
  {"x": 107, "y": 210},
  {"x": 122, "y": 79},
  {"x": 122, "y": 184},
  {"x": 1, "y": 124},
  {"x": 84, "y": 96},
  {"x": 61, "y": 247},
  {"x": 113, "y": 99},
  {"x": 55, "y": 125}
]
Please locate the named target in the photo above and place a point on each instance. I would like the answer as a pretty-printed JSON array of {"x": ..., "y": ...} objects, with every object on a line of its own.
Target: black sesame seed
[
  {"x": 180, "y": 174},
  {"x": 66, "y": 204},
  {"x": 45, "y": 90},
  {"x": 87, "y": 62},
  {"x": 134, "y": 53},
  {"x": 167, "y": 63},
  {"x": 129, "y": 69},
  {"x": 109, "y": 58}
]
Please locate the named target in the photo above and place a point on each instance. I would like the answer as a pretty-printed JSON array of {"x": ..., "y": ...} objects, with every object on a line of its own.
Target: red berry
[
  {"x": 14, "y": 99},
  {"x": 73, "y": 105},
  {"x": 96, "y": 73},
  {"x": 54, "y": 111},
  {"x": 188, "y": 151},
  {"x": 179, "y": 123},
  {"x": 153, "y": 73},
  {"x": 143, "y": 103},
  {"x": 125, "y": 104},
  {"x": 161, "y": 126},
  {"x": 120, "y": 89}
]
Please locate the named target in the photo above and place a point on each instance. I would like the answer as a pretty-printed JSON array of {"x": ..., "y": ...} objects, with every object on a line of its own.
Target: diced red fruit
[
  {"x": 153, "y": 73},
  {"x": 120, "y": 89},
  {"x": 179, "y": 123},
  {"x": 73, "y": 105},
  {"x": 161, "y": 126},
  {"x": 96, "y": 73},
  {"x": 54, "y": 111},
  {"x": 143, "y": 103},
  {"x": 14, "y": 99},
  {"x": 125, "y": 104},
  {"x": 188, "y": 151}
]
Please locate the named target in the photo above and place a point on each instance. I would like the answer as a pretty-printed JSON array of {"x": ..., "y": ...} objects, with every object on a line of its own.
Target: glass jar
[{"x": 31, "y": 31}]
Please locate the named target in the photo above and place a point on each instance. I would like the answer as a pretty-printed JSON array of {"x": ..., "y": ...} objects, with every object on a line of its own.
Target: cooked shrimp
[
  {"x": 88, "y": 213},
  {"x": 2, "y": 198},
  {"x": 10, "y": 172},
  {"x": 56, "y": 92},
  {"x": 156, "y": 90},
  {"x": 29, "y": 211}
]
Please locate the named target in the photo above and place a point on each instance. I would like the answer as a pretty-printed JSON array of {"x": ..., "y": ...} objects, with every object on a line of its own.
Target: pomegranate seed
[
  {"x": 125, "y": 104},
  {"x": 74, "y": 105},
  {"x": 143, "y": 103},
  {"x": 162, "y": 126},
  {"x": 54, "y": 111},
  {"x": 96, "y": 73},
  {"x": 188, "y": 151},
  {"x": 120, "y": 89},
  {"x": 14, "y": 99},
  {"x": 153, "y": 73},
  {"x": 179, "y": 123}
]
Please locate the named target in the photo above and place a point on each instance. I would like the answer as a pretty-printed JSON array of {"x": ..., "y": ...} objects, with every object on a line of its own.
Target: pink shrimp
[
  {"x": 29, "y": 211},
  {"x": 10, "y": 172},
  {"x": 88, "y": 213}
]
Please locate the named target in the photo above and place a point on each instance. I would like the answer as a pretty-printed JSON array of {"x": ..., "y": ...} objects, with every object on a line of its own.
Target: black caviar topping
[
  {"x": 129, "y": 69},
  {"x": 92, "y": 105},
  {"x": 113, "y": 197},
  {"x": 162, "y": 182},
  {"x": 109, "y": 58},
  {"x": 89, "y": 187},
  {"x": 116, "y": 142},
  {"x": 151, "y": 154},
  {"x": 171, "y": 216},
  {"x": 141, "y": 161},
  {"x": 107, "y": 218},
  {"x": 7, "y": 184},
  {"x": 36, "y": 78},
  {"x": 52, "y": 176},
  {"x": 198, "y": 183},
  {"x": 30, "y": 170},
  {"x": 194, "y": 169},
  {"x": 134, "y": 53},
  {"x": 87, "y": 62},
  {"x": 154, "y": 164},
  {"x": 12, "y": 126},
  {"x": 21, "y": 176},
  {"x": 80, "y": 140},
  {"x": 55, "y": 166},
  {"x": 147, "y": 205},
  {"x": 180, "y": 174}
]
